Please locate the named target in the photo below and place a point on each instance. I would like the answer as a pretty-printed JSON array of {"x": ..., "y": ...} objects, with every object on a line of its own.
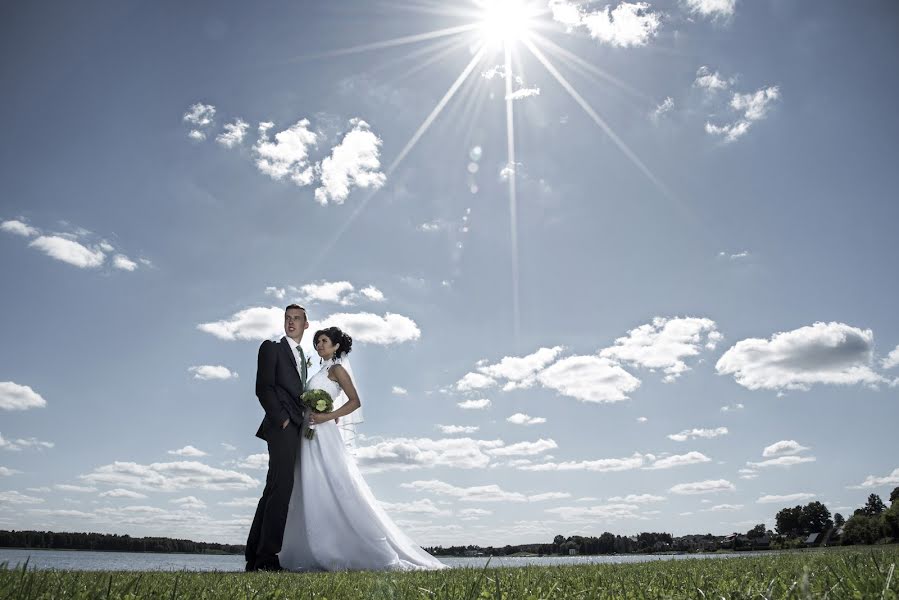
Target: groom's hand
[{"x": 285, "y": 424}]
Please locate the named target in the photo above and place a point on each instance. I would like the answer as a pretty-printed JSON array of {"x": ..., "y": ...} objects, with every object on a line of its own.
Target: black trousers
[{"x": 267, "y": 531}]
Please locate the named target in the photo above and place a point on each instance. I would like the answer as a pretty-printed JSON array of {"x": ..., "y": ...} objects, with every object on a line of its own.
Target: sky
[{"x": 608, "y": 267}]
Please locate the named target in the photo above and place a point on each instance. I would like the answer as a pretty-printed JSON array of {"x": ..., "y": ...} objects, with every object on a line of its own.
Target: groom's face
[{"x": 295, "y": 323}]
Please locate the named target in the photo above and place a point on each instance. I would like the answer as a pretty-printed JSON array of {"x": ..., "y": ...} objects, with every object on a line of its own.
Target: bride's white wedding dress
[{"x": 334, "y": 521}]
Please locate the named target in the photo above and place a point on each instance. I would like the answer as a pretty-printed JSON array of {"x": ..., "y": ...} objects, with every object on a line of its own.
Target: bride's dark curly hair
[{"x": 337, "y": 336}]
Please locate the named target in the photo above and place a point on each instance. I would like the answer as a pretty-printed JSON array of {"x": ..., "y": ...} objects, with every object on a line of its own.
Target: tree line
[{"x": 50, "y": 540}]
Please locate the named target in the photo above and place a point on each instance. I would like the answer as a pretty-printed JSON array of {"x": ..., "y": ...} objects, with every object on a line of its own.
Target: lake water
[{"x": 84, "y": 560}]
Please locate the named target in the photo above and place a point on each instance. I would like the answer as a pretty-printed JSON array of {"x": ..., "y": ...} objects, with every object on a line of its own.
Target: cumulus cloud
[
  {"x": 754, "y": 107},
  {"x": 340, "y": 292},
  {"x": 254, "y": 461},
  {"x": 517, "y": 371},
  {"x": 783, "y": 447},
  {"x": 773, "y": 499},
  {"x": 876, "y": 481},
  {"x": 474, "y": 404},
  {"x": 724, "y": 507},
  {"x": 454, "y": 429},
  {"x": 122, "y": 493},
  {"x": 169, "y": 477},
  {"x": 709, "y": 486},
  {"x": 637, "y": 498},
  {"x": 18, "y": 227},
  {"x": 731, "y": 132},
  {"x": 189, "y": 503},
  {"x": 712, "y": 8},
  {"x": 482, "y": 493},
  {"x": 353, "y": 162},
  {"x": 19, "y": 397},
  {"x": 782, "y": 461},
  {"x": 244, "y": 502},
  {"x": 823, "y": 353},
  {"x": 679, "y": 460},
  {"x": 69, "y": 251},
  {"x": 891, "y": 360},
  {"x": 399, "y": 391},
  {"x": 589, "y": 379},
  {"x": 14, "y": 497},
  {"x": 599, "y": 465},
  {"x": 7, "y": 472},
  {"x": 256, "y": 323},
  {"x": 200, "y": 117},
  {"x": 474, "y": 381},
  {"x": 288, "y": 154},
  {"x": 20, "y": 444},
  {"x": 664, "y": 344},
  {"x": 418, "y": 507},
  {"x": 732, "y": 407},
  {"x": 234, "y": 133},
  {"x": 524, "y": 448},
  {"x": 206, "y": 372},
  {"x": 711, "y": 80},
  {"x": 662, "y": 109},
  {"x": 81, "y": 489},
  {"x": 188, "y": 451},
  {"x": 404, "y": 454},
  {"x": 601, "y": 512},
  {"x": 688, "y": 434},
  {"x": 629, "y": 24},
  {"x": 123, "y": 263},
  {"x": 523, "y": 419}
]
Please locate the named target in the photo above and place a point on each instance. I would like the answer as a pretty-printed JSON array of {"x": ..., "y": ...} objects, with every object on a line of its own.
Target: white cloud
[
  {"x": 189, "y": 503},
  {"x": 14, "y": 497},
  {"x": 825, "y": 353},
  {"x": 482, "y": 493},
  {"x": 18, "y": 228},
  {"x": 601, "y": 513},
  {"x": 288, "y": 155},
  {"x": 637, "y": 498},
  {"x": 601, "y": 465},
  {"x": 523, "y": 419},
  {"x": 373, "y": 329},
  {"x": 399, "y": 391},
  {"x": 19, "y": 397},
  {"x": 474, "y": 404},
  {"x": 372, "y": 293},
  {"x": 340, "y": 292},
  {"x": 279, "y": 293},
  {"x": 200, "y": 115},
  {"x": 891, "y": 360},
  {"x": 254, "y": 461},
  {"x": 548, "y": 496},
  {"x": 188, "y": 451},
  {"x": 404, "y": 454},
  {"x": 518, "y": 371},
  {"x": 772, "y": 499},
  {"x": 732, "y": 407},
  {"x": 170, "y": 476},
  {"x": 206, "y": 372},
  {"x": 725, "y": 507},
  {"x": 662, "y": 109},
  {"x": 664, "y": 344},
  {"x": 454, "y": 429},
  {"x": 82, "y": 489},
  {"x": 525, "y": 92},
  {"x": 468, "y": 514},
  {"x": 256, "y": 323},
  {"x": 589, "y": 379},
  {"x": 474, "y": 381},
  {"x": 755, "y": 106},
  {"x": 782, "y": 461},
  {"x": 418, "y": 507},
  {"x": 228, "y": 447},
  {"x": 234, "y": 133},
  {"x": 734, "y": 255},
  {"x": 69, "y": 251},
  {"x": 731, "y": 132},
  {"x": 122, "y": 493},
  {"x": 355, "y": 161},
  {"x": 687, "y": 434},
  {"x": 712, "y": 8},
  {"x": 123, "y": 263},
  {"x": 524, "y": 448},
  {"x": 566, "y": 13},
  {"x": 642, "y": 419},
  {"x": 783, "y": 447},
  {"x": 196, "y": 134},
  {"x": 244, "y": 502},
  {"x": 7, "y": 472},
  {"x": 711, "y": 81},
  {"x": 679, "y": 460},
  {"x": 709, "y": 486},
  {"x": 431, "y": 226},
  {"x": 875, "y": 481},
  {"x": 629, "y": 24},
  {"x": 24, "y": 443}
]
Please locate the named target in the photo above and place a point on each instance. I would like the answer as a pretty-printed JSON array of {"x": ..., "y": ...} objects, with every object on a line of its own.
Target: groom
[{"x": 280, "y": 379}]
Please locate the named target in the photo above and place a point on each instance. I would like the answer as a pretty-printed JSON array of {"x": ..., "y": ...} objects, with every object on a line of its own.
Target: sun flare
[{"x": 505, "y": 21}]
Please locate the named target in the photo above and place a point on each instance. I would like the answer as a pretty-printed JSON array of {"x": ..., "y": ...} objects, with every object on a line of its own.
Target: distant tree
[
  {"x": 838, "y": 519},
  {"x": 874, "y": 506},
  {"x": 891, "y": 520},
  {"x": 756, "y": 532},
  {"x": 787, "y": 521},
  {"x": 814, "y": 516},
  {"x": 606, "y": 543},
  {"x": 558, "y": 540},
  {"x": 863, "y": 529},
  {"x": 894, "y": 495}
]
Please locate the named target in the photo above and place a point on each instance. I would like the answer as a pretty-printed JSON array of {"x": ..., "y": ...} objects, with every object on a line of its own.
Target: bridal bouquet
[{"x": 317, "y": 401}]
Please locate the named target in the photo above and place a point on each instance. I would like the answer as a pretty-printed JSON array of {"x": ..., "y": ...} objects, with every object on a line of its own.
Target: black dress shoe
[{"x": 250, "y": 566}]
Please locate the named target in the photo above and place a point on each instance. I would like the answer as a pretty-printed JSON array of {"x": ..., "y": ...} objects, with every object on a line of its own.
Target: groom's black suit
[{"x": 278, "y": 387}]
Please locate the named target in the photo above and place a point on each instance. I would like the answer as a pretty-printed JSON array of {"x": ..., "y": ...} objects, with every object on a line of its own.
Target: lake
[{"x": 85, "y": 560}]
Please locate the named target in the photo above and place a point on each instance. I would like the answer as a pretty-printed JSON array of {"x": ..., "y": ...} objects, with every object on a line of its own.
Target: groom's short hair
[{"x": 297, "y": 307}]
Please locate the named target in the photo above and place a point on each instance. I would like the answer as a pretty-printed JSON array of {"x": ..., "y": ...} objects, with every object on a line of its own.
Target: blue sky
[{"x": 694, "y": 327}]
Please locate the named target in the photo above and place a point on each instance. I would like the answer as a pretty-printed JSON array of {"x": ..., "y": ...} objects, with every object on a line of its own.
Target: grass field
[{"x": 839, "y": 573}]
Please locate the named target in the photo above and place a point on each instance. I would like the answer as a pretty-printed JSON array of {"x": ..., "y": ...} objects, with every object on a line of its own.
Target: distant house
[
  {"x": 812, "y": 539},
  {"x": 572, "y": 552}
]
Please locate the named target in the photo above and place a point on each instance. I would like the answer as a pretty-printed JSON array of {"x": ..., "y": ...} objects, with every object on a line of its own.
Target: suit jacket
[{"x": 278, "y": 385}]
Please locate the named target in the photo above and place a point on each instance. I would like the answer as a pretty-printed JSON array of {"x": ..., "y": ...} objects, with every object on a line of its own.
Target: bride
[{"x": 333, "y": 521}]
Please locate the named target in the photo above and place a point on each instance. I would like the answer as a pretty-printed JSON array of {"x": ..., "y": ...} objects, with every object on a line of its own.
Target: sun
[{"x": 505, "y": 21}]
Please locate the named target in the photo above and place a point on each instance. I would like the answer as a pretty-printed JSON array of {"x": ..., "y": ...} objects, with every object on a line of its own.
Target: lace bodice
[{"x": 320, "y": 381}]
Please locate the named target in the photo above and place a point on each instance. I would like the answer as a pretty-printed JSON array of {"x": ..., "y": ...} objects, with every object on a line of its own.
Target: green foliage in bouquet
[{"x": 318, "y": 401}]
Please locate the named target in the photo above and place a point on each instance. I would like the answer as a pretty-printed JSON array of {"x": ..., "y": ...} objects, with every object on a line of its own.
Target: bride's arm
[{"x": 352, "y": 403}]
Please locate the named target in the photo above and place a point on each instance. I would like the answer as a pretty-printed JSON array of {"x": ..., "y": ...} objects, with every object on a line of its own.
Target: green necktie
[{"x": 302, "y": 364}]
